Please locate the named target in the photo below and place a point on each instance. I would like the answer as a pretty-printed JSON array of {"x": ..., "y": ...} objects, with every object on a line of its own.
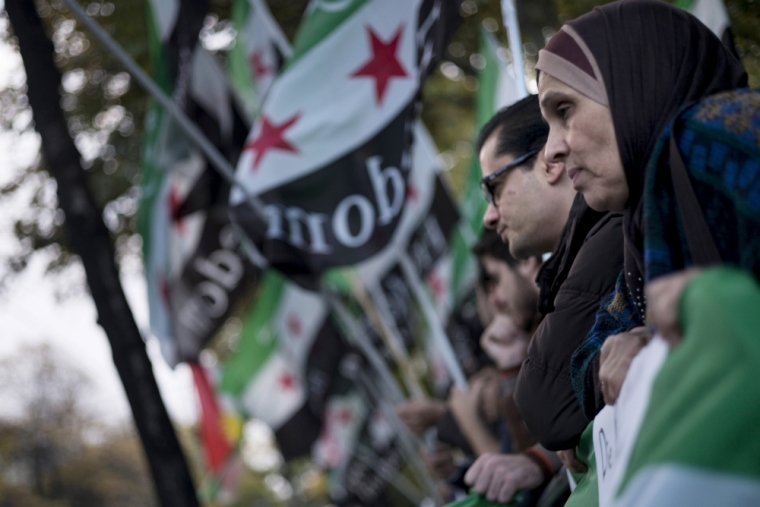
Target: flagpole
[
  {"x": 509, "y": 13},
  {"x": 362, "y": 341},
  {"x": 443, "y": 345},
  {"x": 405, "y": 440},
  {"x": 376, "y": 307},
  {"x": 222, "y": 165}
]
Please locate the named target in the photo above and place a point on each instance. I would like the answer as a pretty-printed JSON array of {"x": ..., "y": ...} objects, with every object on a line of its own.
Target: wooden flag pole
[{"x": 372, "y": 304}]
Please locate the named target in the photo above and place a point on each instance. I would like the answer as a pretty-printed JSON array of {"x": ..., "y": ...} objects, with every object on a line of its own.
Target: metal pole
[
  {"x": 515, "y": 44},
  {"x": 193, "y": 132}
]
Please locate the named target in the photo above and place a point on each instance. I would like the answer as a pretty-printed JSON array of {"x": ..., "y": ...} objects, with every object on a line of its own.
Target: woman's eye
[{"x": 562, "y": 111}]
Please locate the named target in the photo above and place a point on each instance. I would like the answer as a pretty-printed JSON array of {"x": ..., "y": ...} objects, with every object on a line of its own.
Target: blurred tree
[{"x": 53, "y": 452}]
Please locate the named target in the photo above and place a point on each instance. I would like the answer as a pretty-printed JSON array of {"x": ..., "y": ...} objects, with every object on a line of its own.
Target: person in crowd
[
  {"x": 601, "y": 88},
  {"x": 614, "y": 85},
  {"x": 534, "y": 207},
  {"x": 509, "y": 300}
]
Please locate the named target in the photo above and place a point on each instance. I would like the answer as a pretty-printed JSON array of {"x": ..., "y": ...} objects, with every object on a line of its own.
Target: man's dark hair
[{"x": 521, "y": 128}]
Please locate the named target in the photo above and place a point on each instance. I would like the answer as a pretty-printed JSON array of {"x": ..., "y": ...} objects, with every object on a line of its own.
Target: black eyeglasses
[{"x": 485, "y": 183}]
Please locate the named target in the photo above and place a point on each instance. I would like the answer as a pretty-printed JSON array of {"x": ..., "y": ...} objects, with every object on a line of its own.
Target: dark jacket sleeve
[{"x": 544, "y": 394}]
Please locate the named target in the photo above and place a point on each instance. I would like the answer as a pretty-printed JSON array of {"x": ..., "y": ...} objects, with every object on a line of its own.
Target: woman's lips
[{"x": 573, "y": 174}]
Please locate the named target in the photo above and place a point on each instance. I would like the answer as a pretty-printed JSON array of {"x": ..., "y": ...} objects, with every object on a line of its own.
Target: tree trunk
[{"x": 91, "y": 241}]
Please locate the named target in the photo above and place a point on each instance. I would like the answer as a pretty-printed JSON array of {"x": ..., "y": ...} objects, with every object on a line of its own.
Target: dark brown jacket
[{"x": 581, "y": 272}]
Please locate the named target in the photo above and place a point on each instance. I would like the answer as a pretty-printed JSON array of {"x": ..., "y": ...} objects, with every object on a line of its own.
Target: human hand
[
  {"x": 419, "y": 414},
  {"x": 499, "y": 476},
  {"x": 663, "y": 297},
  {"x": 504, "y": 342},
  {"x": 440, "y": 461},
  {"x": 567, "y": 457},
  {"x": 616, "y": 355}
]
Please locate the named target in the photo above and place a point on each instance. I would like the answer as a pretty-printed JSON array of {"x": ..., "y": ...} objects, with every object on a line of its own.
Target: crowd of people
[{"x": 637, "y": 167}]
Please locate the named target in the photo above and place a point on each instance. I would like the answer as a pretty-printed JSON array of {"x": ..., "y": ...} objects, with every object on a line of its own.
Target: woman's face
[{"x": 582, "y": 136}]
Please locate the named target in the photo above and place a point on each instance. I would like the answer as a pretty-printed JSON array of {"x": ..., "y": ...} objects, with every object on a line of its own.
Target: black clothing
[{"x": 580, "y": 273}]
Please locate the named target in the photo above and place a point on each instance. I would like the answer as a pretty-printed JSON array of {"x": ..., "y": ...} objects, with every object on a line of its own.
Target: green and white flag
[
  {"x": 194, "y": 271},
  {"x": 714, "y": 15},
  {"x": 283, "y": 364},
  {"x": 259, "y": 51},
  {"x": 329, "y": 154}
]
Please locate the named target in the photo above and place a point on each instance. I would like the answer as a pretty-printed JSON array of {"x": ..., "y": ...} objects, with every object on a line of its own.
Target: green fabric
[
  {"x": 321, "y": 18},
  {"x": 586, "y": 493},
  {"x": 705, "y": 401},
  {"x": 257, "y": 340},
  {"x": 476, "y": 500},
  {"x": 238, "y": 67}
]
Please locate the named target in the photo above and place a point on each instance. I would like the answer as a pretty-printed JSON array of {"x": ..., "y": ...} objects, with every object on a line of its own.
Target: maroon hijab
[{"x": 653, "y": 59}]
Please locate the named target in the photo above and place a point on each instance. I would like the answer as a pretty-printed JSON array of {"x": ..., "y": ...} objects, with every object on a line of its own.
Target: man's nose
[{"x": 491, "y": 217}]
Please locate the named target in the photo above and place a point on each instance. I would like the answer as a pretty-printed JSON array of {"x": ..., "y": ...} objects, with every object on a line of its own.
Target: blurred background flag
[
  {"x": 259, "y": 51},
  {"x": 714, "y": 15},
  {"x": 330, "y": 152},
  {"x": 194, "y": 270}
]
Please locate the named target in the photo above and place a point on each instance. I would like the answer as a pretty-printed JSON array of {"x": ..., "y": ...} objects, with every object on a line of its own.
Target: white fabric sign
[{"x": 616, "y": 427}]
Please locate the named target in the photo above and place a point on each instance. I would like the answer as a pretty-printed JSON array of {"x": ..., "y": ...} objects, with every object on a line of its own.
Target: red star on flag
[
  {"x": 411, "y": 193},
  {"x": 384, "y": 64},
  {"x": 271, "y": 137},
  {"x": 287, "y": 382},
  {"x": 345, "y": 416},
  {"x": 436, "y": 284},
  {"x": 294, "y": 325},
  {"x": 174, "y": 203},
  {"x": 259, "y": 68}
]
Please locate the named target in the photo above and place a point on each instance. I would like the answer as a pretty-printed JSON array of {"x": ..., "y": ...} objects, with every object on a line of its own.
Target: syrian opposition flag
[
  {"x": 714, "y": 15},
  {"x": 194, "y": 270},
  {"x": 282, "y": 368},
  {"x": 259, "y": 51},
  {"x": 329, "y": 154}
]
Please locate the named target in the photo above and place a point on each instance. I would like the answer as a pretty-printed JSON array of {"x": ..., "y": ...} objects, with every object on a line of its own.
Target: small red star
[
  {"x": 287, "y": 382},
  {"x": 411, "y": 193},
  {"x": 436, "y": 284},
  {"x": 345, "y": 416},
  {"x": 384, "y": 64},
  {"x": 271, "y": 137},
  {"x": 174, "y": 203},
  {"x": 259, "y": 68},
  {"x": 294, "y": 325}
]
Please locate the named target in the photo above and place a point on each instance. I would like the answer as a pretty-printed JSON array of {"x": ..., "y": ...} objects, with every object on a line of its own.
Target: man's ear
[{"x": 529, "y": 267}]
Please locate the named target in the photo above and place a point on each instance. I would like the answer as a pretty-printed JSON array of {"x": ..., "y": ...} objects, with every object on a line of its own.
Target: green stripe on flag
[
  {"x": 257, "y": 341},
  {"x": 238, "y": 67},
  {"x": 704, "y": 406},
  {"x": 323, "y": 16}
]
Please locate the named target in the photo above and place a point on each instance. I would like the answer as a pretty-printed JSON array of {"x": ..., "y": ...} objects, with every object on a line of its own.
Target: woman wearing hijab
[{"x": 610, "y": 84}]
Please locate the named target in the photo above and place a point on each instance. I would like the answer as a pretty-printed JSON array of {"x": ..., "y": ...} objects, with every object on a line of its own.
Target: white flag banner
[{"x": 617, "y": 426}]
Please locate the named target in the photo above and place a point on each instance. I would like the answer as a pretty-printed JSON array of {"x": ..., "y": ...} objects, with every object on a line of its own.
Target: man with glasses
[{"x": 532, "y": 205}]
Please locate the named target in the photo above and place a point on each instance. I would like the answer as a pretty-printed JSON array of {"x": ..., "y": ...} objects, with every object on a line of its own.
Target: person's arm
[
  {"x": 465, "y": 406},
  {"x": 419, "y": 414}
]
